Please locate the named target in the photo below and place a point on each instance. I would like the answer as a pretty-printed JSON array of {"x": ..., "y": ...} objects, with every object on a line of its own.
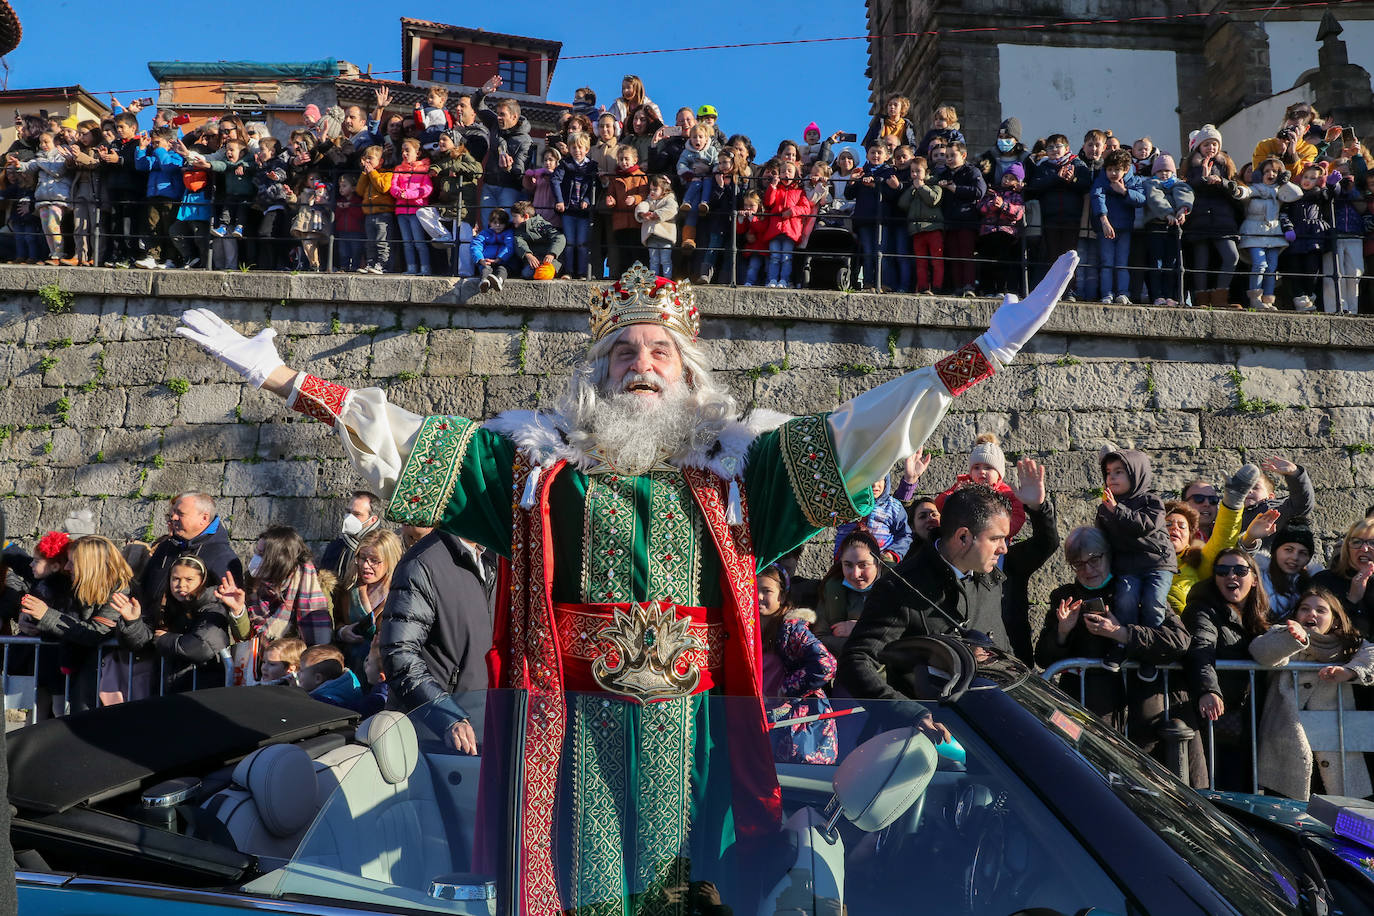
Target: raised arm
[
  {"x": 376, "y": 434},
  {"x": 882, "y": 426}
]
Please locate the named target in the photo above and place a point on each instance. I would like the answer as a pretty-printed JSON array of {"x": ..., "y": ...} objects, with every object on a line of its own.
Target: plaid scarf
[{"x": 301, "y": 606}]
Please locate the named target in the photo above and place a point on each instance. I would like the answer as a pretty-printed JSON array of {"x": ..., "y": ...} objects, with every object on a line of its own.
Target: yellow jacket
[
  {"x": 374, "y": 188},
  {"x": 1306, "y": 153},
  {"x": 1225, "y": 533}
]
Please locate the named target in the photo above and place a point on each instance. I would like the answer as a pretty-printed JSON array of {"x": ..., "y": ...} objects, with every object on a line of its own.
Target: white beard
[{"x": 634, "y": 432}]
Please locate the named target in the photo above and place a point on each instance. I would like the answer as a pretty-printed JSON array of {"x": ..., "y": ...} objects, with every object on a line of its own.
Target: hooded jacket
[{"x": 1135, "y": 526}]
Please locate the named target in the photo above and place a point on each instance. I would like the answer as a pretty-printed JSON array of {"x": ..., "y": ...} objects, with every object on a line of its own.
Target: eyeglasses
[
  {"x": 1361, "y": 543},
  {"x": 1239, "y": 570},
  {"x": 370, "y": 561},
  {"x": 1200, "y": 499},
  {"x": 1084, "y": 563}
]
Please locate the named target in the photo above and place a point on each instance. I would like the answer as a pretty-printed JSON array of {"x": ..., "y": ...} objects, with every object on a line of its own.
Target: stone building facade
[
  {"x": 1161, "y": 67},
  {"x": 102, "y": 406}
]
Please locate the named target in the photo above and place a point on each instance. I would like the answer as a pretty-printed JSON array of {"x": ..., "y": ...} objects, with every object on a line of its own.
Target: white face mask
[
  {"x": 351, "y": 525},
  {"x": 254, "y": 564}
]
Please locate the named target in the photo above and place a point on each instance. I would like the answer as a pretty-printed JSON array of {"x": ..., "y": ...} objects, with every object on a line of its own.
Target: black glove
[{"x": 1241, "y": 482}]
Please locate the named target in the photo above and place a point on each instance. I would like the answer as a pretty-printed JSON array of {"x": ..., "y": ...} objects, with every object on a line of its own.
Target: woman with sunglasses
[
  {"x": 1348, "y": 578},
  {"x": 1223, "y": 615},
  {"x": 189, "y": 631},
  {"x": 1081, "y": 625}
]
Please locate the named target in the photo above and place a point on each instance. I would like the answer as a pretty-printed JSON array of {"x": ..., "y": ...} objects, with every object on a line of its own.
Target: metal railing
[
  {"x": 41, "y": 647},
  {"x": 1319, "y": 725},
  {"x": 1024, "y": 262}
]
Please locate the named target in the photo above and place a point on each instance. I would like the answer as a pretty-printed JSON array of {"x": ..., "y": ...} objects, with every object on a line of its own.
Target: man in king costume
[{"x": 631, "y": 521}]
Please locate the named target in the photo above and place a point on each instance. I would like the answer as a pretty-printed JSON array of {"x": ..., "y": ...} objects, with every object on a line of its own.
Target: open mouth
[{"x": 642, "y": 386}]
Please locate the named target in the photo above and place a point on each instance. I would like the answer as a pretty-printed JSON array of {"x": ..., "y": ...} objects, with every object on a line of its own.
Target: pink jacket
[{"x": 411, "y": 186}]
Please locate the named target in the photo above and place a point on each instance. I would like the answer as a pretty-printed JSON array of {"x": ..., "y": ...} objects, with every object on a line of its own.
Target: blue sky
[{"x": 768, "y": 93}]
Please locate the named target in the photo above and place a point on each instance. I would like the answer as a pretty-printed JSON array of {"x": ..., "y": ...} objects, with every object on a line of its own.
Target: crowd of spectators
[
  {"x": 402, "y": 618},
  {"x": 459, "y": 186}
]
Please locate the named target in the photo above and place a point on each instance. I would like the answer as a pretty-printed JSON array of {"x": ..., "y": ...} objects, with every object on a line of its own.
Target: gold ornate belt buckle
[{"x": 649, "y": 643}]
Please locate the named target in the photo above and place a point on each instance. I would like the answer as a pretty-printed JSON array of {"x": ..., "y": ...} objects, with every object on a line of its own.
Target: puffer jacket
[
  {"x": 435, "y": 628},
  {"x": 54, "y": 178},
  {"x": 1003, "y": 211},
  {"x": 411, "y": 186},
  {"x": 575, "y": 186},
  {"x": 697, "y": 163},
  {"x": 1261, "y": 228},
  {"x": 624, "y": 186},
  {"x": 1311, "y": 216},
  {"x": 1135, "y": 526}
]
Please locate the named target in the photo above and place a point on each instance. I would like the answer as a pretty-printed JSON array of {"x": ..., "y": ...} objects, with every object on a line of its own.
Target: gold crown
[{"x": 639, "y": 297}]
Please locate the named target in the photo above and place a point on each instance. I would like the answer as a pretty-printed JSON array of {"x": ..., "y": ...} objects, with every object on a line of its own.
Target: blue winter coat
[
  {"x": 164, "y": 171},
  {"x": 1118, "y": 208},
  {"x": 887, "y": 523},
  {"x": 491, "y": 244}
]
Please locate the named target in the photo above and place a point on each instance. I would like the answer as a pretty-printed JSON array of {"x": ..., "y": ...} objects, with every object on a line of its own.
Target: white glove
[
  {"x": 1016, "y": 322},
  {"x": 255, "y": 358}
]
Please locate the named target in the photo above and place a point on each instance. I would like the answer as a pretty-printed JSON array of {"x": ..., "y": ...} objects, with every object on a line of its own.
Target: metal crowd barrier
[
  {"x": 1327, "y": 730},
  {"x": 41, "y": 646}
]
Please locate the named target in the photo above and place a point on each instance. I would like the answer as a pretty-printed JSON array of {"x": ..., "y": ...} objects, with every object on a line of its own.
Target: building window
[
  {"x": 447, "y": 66},
  {"x": 514, "y": 73}
]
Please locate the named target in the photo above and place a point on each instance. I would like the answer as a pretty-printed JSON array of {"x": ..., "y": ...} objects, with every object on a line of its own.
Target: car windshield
[
  {"x": 1213, "y": 844},
  {"x": 667, "y": 805}
]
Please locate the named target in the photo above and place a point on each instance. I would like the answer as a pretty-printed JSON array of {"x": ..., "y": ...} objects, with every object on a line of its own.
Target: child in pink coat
[{"x": 411, "y": 186}]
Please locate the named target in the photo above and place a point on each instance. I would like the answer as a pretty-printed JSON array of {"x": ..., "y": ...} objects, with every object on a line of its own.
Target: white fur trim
[{"x": 540, "y": 434}]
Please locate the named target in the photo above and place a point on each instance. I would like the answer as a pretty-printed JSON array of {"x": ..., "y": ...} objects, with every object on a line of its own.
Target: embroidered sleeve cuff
[
  {"x": 314, "y": 397},
  {"x": 813, "y": 469},
  {"x": 431, "y": 471},
  {"x": 965, "y": 367}
]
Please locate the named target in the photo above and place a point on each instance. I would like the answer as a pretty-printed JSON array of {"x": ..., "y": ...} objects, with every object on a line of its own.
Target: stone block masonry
[{"x": 102, "y": 406}]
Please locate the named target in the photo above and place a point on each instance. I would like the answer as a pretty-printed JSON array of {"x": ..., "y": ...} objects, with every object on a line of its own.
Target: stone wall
[{"x": 103, "y": 407}]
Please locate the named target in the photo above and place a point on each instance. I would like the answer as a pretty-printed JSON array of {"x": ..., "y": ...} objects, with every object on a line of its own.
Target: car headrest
[
  {"x": 392, "y": 739},
  {"x": 281, "y": 779},
  {"x": 884, "y": 776}
]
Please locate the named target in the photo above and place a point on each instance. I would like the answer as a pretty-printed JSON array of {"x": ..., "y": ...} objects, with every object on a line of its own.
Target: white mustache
[{"x": 650, "y": 378}]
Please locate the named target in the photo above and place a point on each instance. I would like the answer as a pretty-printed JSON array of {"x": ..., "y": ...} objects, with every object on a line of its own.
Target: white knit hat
[
  {"x": 1205, "y": 132},
  {"x": 986, "y": 451}
]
